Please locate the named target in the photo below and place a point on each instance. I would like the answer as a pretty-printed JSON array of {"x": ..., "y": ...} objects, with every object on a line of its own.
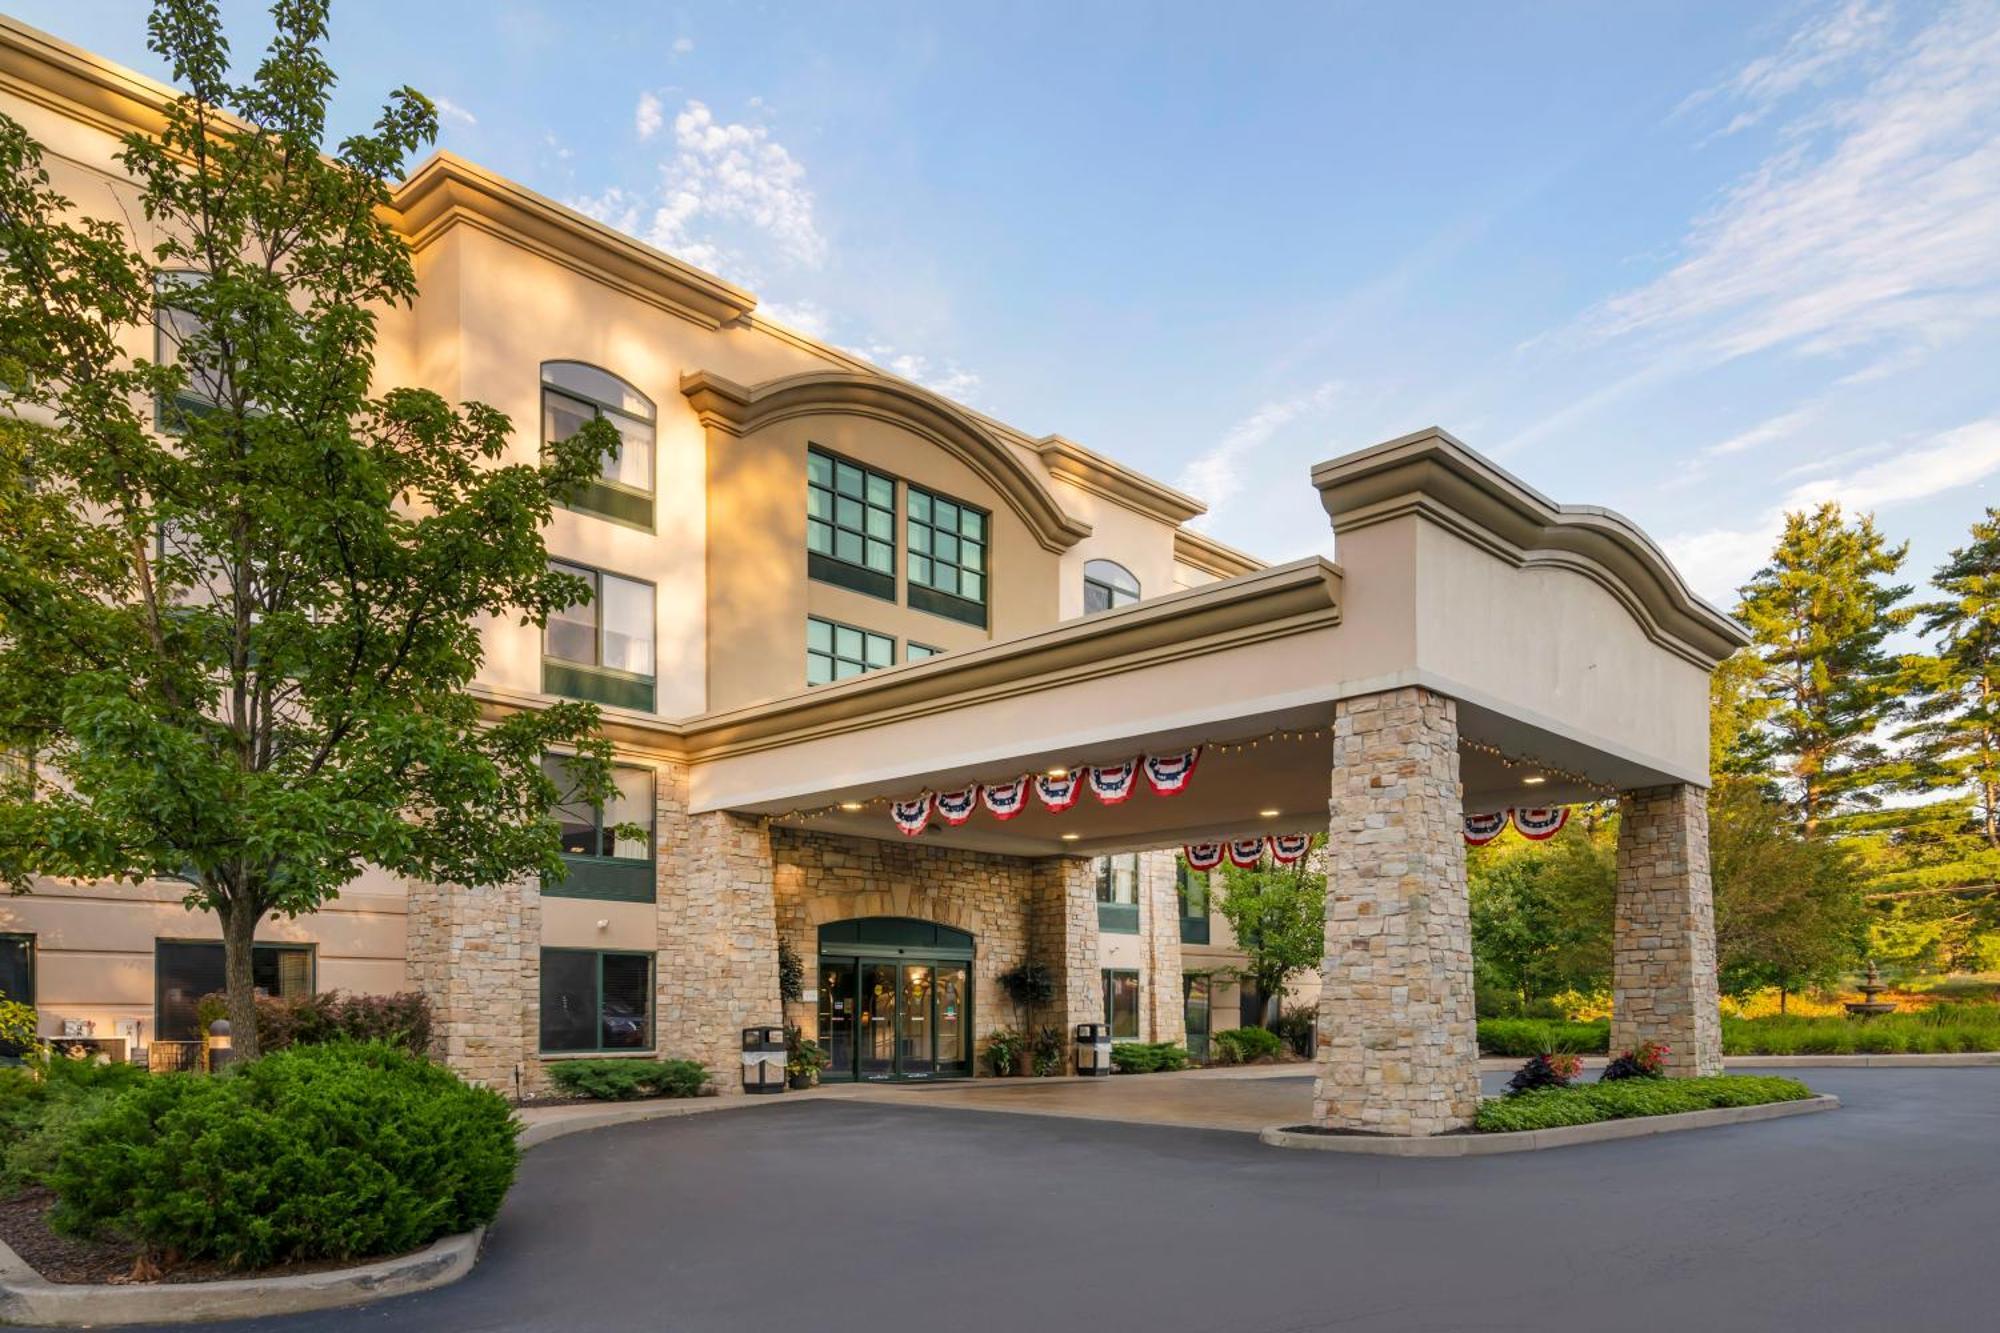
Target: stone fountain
[{"x": 1868, "y": 1006}]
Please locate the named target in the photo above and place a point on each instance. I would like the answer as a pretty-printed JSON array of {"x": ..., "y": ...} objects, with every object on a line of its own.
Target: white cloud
[
  {"x": 683, "y": 45},
  {"x": 808, "y": 317},
  {"x": 1782, "y": 426},
  {"x": 1876, "y": 221},
  {"x": 648, "y": 116},
  {"x": 1719, "y": 560},
  {"x": 1812, "y": 55},
  {"x": 947, "y": 377},
  {"x": 452, "y": 111},
  {"x": 1217, "y": 475}
]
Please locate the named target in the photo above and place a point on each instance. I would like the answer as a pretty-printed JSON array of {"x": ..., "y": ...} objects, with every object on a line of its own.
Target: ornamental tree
[
  {"x": 1278, "y": 914},
  {"x": 239, "y": 580}
]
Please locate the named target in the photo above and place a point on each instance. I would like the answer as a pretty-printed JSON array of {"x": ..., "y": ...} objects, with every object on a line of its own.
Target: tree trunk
[
  {"x": 1782, "y": 993},
  {"x": 239, "y": 931}
]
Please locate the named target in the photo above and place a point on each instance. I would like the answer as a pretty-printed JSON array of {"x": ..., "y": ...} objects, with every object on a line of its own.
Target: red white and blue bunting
[
  {"x": 1538, "y": 824},
  {"x": 1288, "y": 848},
  {"x": 1113, "y": 784},
  {"x": 1246, "y": 853},
  {"x": 1169, "y": 774},
  {"x": 1004, "y": 800},
  {"x": 955, "y": 807},
  {"x": 913, "y": 815},
  {"x": 1058, "y": 793},
  {"x": 1203, "y": 855}
]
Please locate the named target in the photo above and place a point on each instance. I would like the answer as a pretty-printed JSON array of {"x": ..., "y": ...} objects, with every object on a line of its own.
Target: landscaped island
[
  {"x": 1940, "y": 1030},
  {"x": 1626, "y": 1099}
]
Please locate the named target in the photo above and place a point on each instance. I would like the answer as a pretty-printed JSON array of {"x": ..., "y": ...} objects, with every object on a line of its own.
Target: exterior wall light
[
  {"x": 764, "y": 1059},
  {"x": 1093, "y": 1050}
]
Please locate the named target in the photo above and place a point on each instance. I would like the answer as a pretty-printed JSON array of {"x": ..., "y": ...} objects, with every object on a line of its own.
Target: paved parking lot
[{"x": 832, "y": 1214}]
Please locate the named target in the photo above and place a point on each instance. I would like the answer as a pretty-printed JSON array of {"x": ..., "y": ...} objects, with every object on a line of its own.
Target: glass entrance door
[
  {"x": 953, "y": 1022},
  {"x": 914, "y": 1055},
  {"x": 877, "y": 1023},
  {"x": 895, "y": 999},
  {"x": 837, "y": 1011}
]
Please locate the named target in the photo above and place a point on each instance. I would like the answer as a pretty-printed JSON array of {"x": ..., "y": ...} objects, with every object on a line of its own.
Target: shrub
[
  {"x": 402, "y": 1020},
  {"x": 1048, "y": 1052},
  {"x": 1625, "y": 1100},
  {"x": 623, "y": 1080},
  {"x": 19, "y": 1025},
  {"x": 1003, "y": 1050},
  {"x": 42, "y": 1105},
  {"x": 1148, "y": 1057},
  {"x": 1648, "y": 1061},
  {"x": 1243, "y": 1046},
  {"x": 1550, "y": 1069},
  {"x": 1296, "y": 1029},
  {"x": 1519, "y": 1038},
  {"x": 321, "y": 1152}
]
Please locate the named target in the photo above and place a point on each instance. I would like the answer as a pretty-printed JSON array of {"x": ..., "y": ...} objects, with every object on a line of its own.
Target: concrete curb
[
  {"x": 1534, "y": 1140},
  {"x": 1504, "y": 1064},
  {"x": 26, "y": 1297}
]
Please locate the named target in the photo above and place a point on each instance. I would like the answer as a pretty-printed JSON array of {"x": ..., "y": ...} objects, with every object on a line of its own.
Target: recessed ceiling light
[
  {"x": 1533, "y": 780},
  {"x": 1267, "y": 814},
  {"x": 850, "y": 805},
  {"x": 1071, "y": 837},
  {"x": 1058, "y": 772}
]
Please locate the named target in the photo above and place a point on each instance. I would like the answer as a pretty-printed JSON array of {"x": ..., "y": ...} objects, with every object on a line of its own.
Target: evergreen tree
[
  {"x": 1955, "y": 709},
  {"x": 1819, "y": 613}
]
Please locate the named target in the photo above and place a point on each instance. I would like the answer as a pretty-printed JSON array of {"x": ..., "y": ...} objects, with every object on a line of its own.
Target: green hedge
[
  {"x": 41, "y": 1106},
  {"x": 1940, "y": 1030},
  {"x": 1520, "y": 1038},
  {"x": 1148, "y": 1057},
  {"x": 343, "y": 1151},
  {"x": 623, "y": 1080},
  {"x": 1242, "y": 1046},
  {"x": 1591, "y": 1102}
]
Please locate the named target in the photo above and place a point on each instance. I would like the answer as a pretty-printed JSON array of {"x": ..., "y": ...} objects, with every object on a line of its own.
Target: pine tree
[
  {"x": 1955, "y": 711},
  {"x": 1819, "y": 612}
]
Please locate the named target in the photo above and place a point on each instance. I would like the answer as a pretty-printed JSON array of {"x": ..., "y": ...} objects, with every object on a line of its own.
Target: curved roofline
[
  {"x": 1433, "y": 473},
  {"x": 725, "y": 405}
]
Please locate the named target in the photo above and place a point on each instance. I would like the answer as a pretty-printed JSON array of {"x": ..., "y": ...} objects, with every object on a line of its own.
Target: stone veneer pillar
[
  {"x": 476, "y": 953},
  {"x": 717, "y": 969},
  {"x": 1398, "y": 1051},
  {"x": 1160, "y": 920},
  {"x": 1663, "y": 941},
  {"x": 1062, "y": 933}
]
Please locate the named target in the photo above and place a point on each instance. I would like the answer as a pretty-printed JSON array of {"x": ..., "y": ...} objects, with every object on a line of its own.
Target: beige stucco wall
[{"x": 1119, "y": 533}]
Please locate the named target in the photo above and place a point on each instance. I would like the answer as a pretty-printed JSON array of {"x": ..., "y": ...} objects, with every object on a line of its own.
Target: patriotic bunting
[
  {"x": 911, "y": 816},
  {"x": 1113, "y": 783},
  {"x": 1482, "y": 829},
  {"x": 1246, "y": 853},
  {"x": 1169, "y": 774},
  {"x": 955, "y": 807},
  {"x": 1004, "y": 800},
  {"x": 1543, "y": 823},
  {"x": 1287, "y": 848},
  {"x": 1203, "y": 855},
  {"x": 1058, "y": 794}
]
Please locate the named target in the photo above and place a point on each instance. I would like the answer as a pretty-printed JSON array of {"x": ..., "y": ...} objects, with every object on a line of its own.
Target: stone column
[
  {"x": 1062, "y": 933},
  {"x": 476, "y": 953},
  {"x": 1398, "y": 1052},
  {"x": 718, "y": 933},
  {"x": 1663, "y": 942},
  {"x": 1160, "y": 924}
]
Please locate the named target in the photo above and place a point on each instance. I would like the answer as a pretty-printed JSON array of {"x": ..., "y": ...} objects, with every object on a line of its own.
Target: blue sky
[{"x": 1696, "y": 262}]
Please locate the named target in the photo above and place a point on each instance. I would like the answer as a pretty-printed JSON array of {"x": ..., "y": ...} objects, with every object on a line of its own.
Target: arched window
[
  {"x": 1107, "y": 584},
  {"x": 574, "y": 393}
]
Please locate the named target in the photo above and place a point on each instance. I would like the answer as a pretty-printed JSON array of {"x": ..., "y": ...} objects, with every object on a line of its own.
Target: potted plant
[
  {"x": 804, "y": 1058},
  {"x": 1003, "y": 1051},
  {"x": 1048, "y": 1053}
]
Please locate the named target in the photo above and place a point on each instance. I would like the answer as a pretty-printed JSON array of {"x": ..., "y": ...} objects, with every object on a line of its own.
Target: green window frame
[
  {"x": 595, "y": 1002},
  {"x": 601, "y": 864},
  {"x": 601, "y": 649},
  {"x": 948, "y": 559},
  {"x": 1191, "y": 888},
  {"x": 575, "y": 392},
  {"x": 835, "y": 651},
  {"x": 186, "y": 970},
  {"x": 850, "y": 525},
  {"x": 1118, "y": 893},
  {"x": 1121, "y": 1002}
]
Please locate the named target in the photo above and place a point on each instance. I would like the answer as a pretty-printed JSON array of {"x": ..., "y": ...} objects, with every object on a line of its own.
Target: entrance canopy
[{"x": 1578, "y": 659}]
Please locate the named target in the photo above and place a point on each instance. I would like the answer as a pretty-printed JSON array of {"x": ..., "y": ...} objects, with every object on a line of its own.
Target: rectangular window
[
  {"x": 175, "y": 326},
  {"x": 17, "y": 968},
  {"x": 850, "y": 525},
  {"x": 1191, "y": 887},
  {"x": 186, "y": 970},
  {"x": 1121, "y": 1004},
  {"x": 601, "y": 863},
  {"x": 835, "y": 651},
  {"x": 593, "y": 1001},
  {"x": 574, "y": 393},
  {"x": 602, "y": 649},
  {"x": 948, "y": 565},
  {"x": 917, "y": 652},
  {"x": 1118, "y": 893}
]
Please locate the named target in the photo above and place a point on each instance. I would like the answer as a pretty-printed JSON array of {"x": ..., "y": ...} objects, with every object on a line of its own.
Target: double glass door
[{"x": 883, "y": 1018}]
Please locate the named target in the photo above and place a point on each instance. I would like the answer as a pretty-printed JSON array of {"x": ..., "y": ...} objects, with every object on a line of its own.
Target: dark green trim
[
  {"x": 600, "y": 685},
  {"x": 1118, "y": 918},
  {"x": 652, "y": 991},
  {"x": 894, "y": 936},
  {"x": 311, "y": 951},
  {"x": 29, "y": 939},
  {"x": 618, "y": 503},
  {"x": 1138, "y": 1001},
  {"x": 855, "y": 578},
  {"x": 944, "y": 604},
  {"x": 1194, "y": 930},
  {"x": 605, "y": 879}
]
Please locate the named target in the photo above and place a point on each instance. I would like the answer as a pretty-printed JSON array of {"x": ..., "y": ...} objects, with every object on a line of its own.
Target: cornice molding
[
  {"x": 448, "y": 191},
  {"x": 1437, "y": 477},
  {"x": 735, "y": 410},
  {"x": 74, "y": 82},
  {"x": 1203, "y": 552},
  {"x": 1097, "y": 474}
]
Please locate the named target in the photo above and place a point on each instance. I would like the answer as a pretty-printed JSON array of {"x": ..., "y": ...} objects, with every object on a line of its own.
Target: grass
[
  {"x": 1941, "y": 1029},
  {"x": 1588, "y": 1103}
]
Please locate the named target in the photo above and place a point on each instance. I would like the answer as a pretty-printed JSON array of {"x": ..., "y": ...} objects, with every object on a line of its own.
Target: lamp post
[{"x": 220, "y": 1048}]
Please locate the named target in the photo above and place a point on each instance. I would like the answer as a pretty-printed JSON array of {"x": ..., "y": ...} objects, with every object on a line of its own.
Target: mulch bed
[{"x": 24, "y": 1225}]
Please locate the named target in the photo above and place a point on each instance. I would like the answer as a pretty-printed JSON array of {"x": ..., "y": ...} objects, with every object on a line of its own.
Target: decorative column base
[
  {"x": 1663, "y": 941},
  {"x": 1398, "y": 1049},
  {"x": 476, "y": 953}
]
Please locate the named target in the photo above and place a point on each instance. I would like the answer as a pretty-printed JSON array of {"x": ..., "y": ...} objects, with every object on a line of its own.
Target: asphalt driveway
[{"x": 835, "y": 1215}]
